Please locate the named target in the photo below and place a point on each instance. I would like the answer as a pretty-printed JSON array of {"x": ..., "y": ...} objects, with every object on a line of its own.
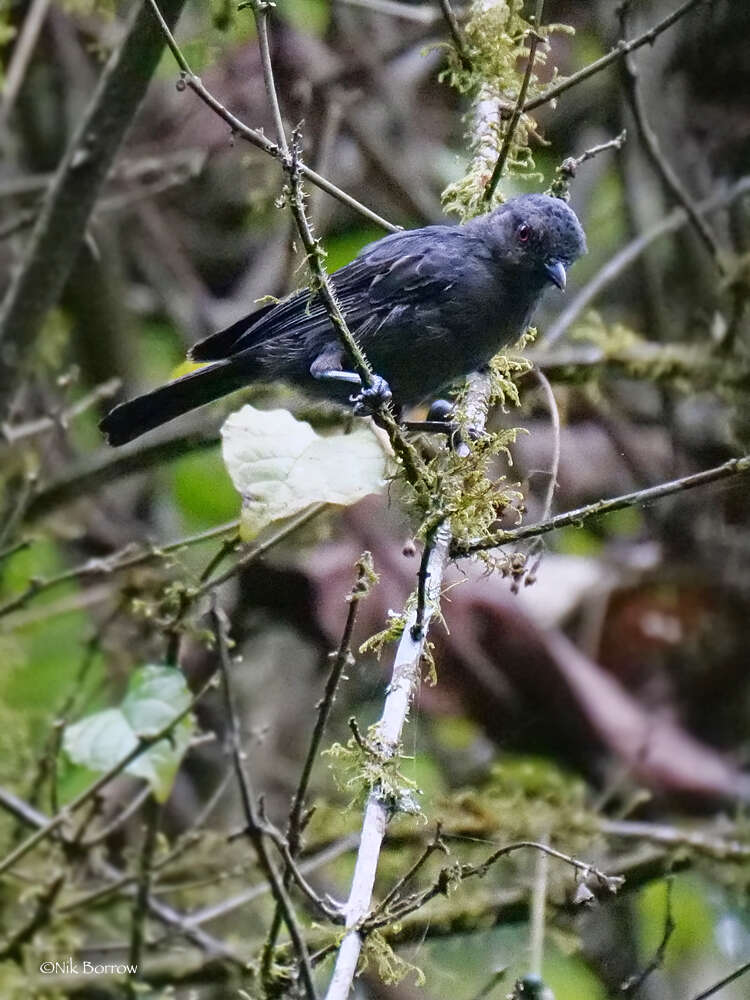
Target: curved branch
[{"x": 734, "y": 467}]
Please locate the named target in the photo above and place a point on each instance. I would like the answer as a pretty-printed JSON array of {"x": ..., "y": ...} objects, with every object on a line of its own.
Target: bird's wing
[{"x": 397, "y": 271}]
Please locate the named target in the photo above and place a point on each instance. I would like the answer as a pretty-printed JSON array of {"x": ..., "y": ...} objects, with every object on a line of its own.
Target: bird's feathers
[{"x": 427, "y": 306}]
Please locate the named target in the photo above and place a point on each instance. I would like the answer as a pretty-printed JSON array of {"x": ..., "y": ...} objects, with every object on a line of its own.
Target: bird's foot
[{"x": 371, "y": 398}]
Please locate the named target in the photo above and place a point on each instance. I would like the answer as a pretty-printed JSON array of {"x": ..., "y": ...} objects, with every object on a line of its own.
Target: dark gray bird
[{"x": 427, "y": 306}]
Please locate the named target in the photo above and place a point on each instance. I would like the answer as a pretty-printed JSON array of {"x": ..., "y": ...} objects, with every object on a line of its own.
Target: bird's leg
[{"x": 369, "y": 399}]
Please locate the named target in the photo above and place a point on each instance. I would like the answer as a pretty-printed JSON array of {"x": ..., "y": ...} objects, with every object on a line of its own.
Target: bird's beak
[{"x": 556, "y": 273}]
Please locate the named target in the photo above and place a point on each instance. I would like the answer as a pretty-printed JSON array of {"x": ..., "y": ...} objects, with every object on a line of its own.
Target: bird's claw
[{"x": 371, "y": 398}]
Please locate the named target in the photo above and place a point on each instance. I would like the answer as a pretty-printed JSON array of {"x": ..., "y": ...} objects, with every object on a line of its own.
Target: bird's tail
[{"x": 131, "y": 419}]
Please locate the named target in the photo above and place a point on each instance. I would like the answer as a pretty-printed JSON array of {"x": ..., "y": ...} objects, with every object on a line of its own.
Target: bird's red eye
[{"x": 524, "y": 232}]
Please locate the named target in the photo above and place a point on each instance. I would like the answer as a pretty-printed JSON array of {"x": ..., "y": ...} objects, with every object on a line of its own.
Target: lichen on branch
[{"x": 498, "y": 45}]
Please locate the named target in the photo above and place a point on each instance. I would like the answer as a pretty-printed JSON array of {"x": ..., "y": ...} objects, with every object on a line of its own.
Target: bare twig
[
  {"x": 120, "y": 819},
  {"x": 165, "y": 914},
  {"x": 518, "y": 109},
  {"x": 418, "y": 13},
  {"x": 611, "y": 883},
  {"x": 104, "y": 466},
  {"x": 632, "y": 985},
  {"x": 13, "y": 433},
  {"x": 341, "y": 660},
  {"x": 322, "y": 857},
  {"x": 537, "y": 546},
  {"x": 262, "y": 548},
  {"x": 26, "y": 483},
  {"x": 61, "y": 225},
  {"x": 238, "y": 127},
  {"x": 254, "y": 827},
  {"x": 663, "y": 167},
  {"x": 22, "y": 53},
  {"x": 569, "y": 166},
  {"x": 734, "y": 467},
  {"x": 554, "y": 469},
  {"x": 12, "y": 948},
  {"x": 455, "y": 32},
  {"x": 732, "y": 977},
  {"x": 628, "y": 254},
  {"x": 621, "y": 49},
  {"x": 495, "y": 979},
  {"x": 140, "y": 904},
  {"x": 713, "y": 846},
  {"x": 13, "y": 547},
  {"x": 538, "y": 913},
  {"x": 436, "y": 844},
  {"x": 124, "y": 559}
]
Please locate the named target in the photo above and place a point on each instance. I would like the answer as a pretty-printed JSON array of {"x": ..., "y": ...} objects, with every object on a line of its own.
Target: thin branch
[
  {"x": 572, "y": 163},
  {"x": 61, "y": 226},
  {"x": 19, "y": 506},
  {"x": 569, "y": 166},
  {"x": 45, "y": 901},
  {"x": 621, "y": 49},
  {"x": 663, "y": 167},
  {"x": 165, "y": 914},
  {"x": 538, "y": 913},
  {"x": 555, "y": 464},
  {"x": 14, "y": 547},
  {"x": 632, "y": 985},
  {"x": 341, "y": 660},
  {"x": 423, "y": 579},
  {"x": 221, "y": 909},
  {"x": 256, "y": 138},
  {"x": 455, "y": 32},
  {"x": 734, "y": 467},
  {"x": 13, "y": 433},
  {"x": 262, "y": 548},
  {"x": 140, "y": 904},
  {"x": 411, "y": 904},
  {"x": 536, "y": 548},
  {"x": 104, "y": 466},
  {"x": 628, "y": 254},
  {"x": 23, "y": 50},
  {"x": 254, "y": 827},
  {"x": 724, "y": 982},
  {"x": 712, "y": 846},
  {"x": 495, "y": 979},
  {"x": 518, "y": 109},
  {"x": 436, "y": 844},
  {"x": 120, "y": 819},
  {"x": 418, "y": 13},
  {"x": 144, "y": 743},
  {"x": 125, "y": 558}
]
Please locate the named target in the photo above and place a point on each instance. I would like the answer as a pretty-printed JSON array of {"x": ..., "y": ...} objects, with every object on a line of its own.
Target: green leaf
[
  {"x": 156, "y": 695},
  {"x": 280, "y": 466}
]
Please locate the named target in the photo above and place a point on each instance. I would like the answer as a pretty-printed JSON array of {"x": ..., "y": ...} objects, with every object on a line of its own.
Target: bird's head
[{"x": 538, "y": 235}]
